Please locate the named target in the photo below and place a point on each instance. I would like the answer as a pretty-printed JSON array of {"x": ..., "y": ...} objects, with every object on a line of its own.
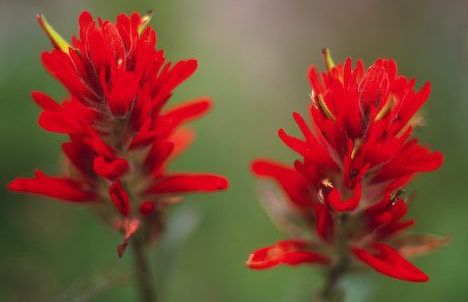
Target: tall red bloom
[
  {"x": 357, "y": 154},
  {"x": 121, "y": 137}
]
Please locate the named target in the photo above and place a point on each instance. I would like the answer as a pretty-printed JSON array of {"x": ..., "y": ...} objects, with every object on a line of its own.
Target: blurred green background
[{"x": 253, "y": 56}]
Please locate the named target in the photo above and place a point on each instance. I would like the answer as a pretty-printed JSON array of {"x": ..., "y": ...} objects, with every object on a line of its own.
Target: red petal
[
  {"x": 181, "y": 71},
  {"x": 121, "y": 92},
  {"x": 183, "y": 113},
  {"x": 60, "y": 66},
  {"x": 393, "y": 228},
  {"x": 147, "y": 208},
  {"x": 60, "y": 122},
  {"x": 45, "y": 101},
  {"x": 120, "y": 198},
  {"x": 294, "y": 185},
  {"x": 408, "y": 105},
  {"x": 85, "y": 18},
  {"x": 314, "y": 81},
  {"x": 173, "y": 77},
  {"x": 374, "y": 87},
  {"x": 412, "y": 158},
  {"x": 161, "y": 153},
  {"x": 182, "y": 139},
  {"x": 71, "y": 117},
  {"x": 80, "y": 155},
  {"x": 336, "y": 201},
  {"x": 157, "y": 156},
  {"x": 389, "y": 262},
  {"x": 144, "y": 137},
  {"x": 301, "y": 123},
  {"x": 323, "y": 222},
  {"x": 99, "y": 146},
  {"x": 110, "y": 169},
  {"x": 190, "y": 183},
  {"x": 57, "y": 187},
  {"x": 289, "y": 252},
  {"x": 294, "y": 143}
]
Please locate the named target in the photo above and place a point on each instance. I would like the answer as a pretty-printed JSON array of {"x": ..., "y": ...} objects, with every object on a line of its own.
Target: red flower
[
  {"x": 121, "y": 137},
  {"x": 356, "y": 156}
]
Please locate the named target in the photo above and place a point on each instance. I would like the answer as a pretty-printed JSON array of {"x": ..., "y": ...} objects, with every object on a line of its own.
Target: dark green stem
[
  {"x": 330, "y": 291},
  {"x": 143, "y": 275}
]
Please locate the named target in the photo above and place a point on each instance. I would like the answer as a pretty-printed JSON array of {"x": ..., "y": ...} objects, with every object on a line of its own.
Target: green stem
[
  {"x": 330, "y": 291},
  {"x": 143, "y": 273}
]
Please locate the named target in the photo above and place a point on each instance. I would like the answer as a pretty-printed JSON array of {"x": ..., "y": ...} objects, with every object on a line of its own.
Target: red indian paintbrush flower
[
  {"x": 356, "y": 157},
  {"x": 121, "y": 137}
]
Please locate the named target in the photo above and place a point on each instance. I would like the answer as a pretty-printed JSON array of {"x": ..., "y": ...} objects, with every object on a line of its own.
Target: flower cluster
[
  {"x": 357, "y": 156},
  {"x": 121, "y": 138}
]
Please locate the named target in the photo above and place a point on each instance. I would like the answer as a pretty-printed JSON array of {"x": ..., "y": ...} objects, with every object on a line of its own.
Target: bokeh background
[{"x": 253, "y": 56}]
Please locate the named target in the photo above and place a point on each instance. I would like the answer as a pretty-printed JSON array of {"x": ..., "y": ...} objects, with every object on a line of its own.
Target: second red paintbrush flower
[{"x": 357, "y": 154}]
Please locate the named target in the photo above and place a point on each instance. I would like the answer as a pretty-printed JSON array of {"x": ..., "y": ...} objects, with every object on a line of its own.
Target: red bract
[
  {"x": 121, "y": 138},
  {"x": 289, "y": 252},
  {"x": 357, "y": 154}
]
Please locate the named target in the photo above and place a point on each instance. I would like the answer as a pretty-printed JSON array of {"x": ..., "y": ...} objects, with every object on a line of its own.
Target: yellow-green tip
[
  {"x": 144, "y": 22},
  {"x": 54, "y": 36},
  {"x": 328, "y": 58},
  {"x": 323, "y": 106}
]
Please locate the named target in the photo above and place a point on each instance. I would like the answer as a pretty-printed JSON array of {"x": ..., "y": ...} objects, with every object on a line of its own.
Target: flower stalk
[
  {"x": 143, "y": 273},
  {"x": 330, "y": 291}
]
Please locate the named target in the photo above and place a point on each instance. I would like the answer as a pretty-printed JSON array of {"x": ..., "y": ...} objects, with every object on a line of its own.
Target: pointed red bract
[
  {"x": 289, "y": 252},
  {"x": 290, "y": 180},
  {"x": 189, "y": 183},
  {"x": 120, "y": 198},
  {"x": 389, "y": 262},
  {"x": 63, "y": 188}
]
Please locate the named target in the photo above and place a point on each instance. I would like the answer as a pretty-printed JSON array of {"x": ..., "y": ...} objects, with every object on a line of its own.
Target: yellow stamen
[
  {"x": 119, "y": 62},
  {"x": 328, "y": 59},
  {"x": 53, "y": 35},
  {"x": 416, "y": 121},
  {"x": 323, "y": 106},
  {"x": 385, "y": 109},
  {"x": 145, "y": 20},
  {"x": 356, "y": 146},
  {"x": 327, "y": 183},
  {"x": 312, "y": 95}
]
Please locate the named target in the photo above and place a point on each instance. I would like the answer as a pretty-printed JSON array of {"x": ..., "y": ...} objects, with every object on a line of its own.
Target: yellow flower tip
[
  {"x": 327, "y": 183},
  {"x": 329, "y": 63},
  {"x": 356, "y": 146},
  {"x": 386, "y": 108},
  {"x": 323, "y": 106},
  {"x": 56, "y": 39},
  {"x": 145, "y": 20}
]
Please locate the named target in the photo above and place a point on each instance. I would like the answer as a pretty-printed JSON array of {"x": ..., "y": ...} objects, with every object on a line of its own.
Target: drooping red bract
[
  {"x": 357, "y": 154},
  {"x": 121, "y": 137}
]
